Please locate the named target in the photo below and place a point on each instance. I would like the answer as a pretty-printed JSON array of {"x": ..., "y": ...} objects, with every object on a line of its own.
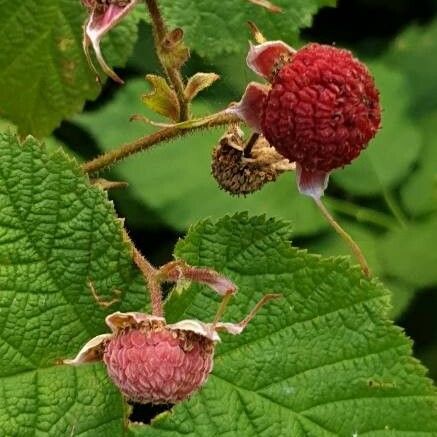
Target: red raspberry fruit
[
  {"x": 157, "y": 364},
  {"x": 322, "y": 109}
]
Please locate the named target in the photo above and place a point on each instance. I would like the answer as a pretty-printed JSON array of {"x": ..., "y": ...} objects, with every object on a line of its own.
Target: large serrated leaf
[
  {"x": 57, "y": 233},
  {"x": 213, "y": 28},
  {"x": 44, "y": 76},
  {"x": 324, "y": 361}
]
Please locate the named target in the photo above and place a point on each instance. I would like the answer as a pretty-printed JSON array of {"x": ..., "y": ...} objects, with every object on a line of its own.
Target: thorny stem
[
  {"x": 162, "y": 135},
  {"x": 151, "y": 276},
  {"x": 173, "y": 74},
  {"x": 345, "y": 236}
]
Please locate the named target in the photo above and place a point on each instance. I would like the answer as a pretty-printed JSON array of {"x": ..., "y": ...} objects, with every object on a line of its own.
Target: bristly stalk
[
  {"x": 173, "y": 74},
  {"x": 162, "y": 135}
]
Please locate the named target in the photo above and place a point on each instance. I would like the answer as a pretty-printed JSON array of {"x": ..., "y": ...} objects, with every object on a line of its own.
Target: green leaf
[
  {"x": 195, "y": 195},
  {"x": 56, "y": 234},
  {"x": 390, "y": 156},
  {"x": 331, "y": 245},
  {"x": 323, "y": 361},
  {"x": 413, "y": 52},
  {"x": 44, "y": 76},
  {"x": 410, "y": 253},
  {"x": 214, "y": 31},
  {"x": 419, "y": 193},
  {"x": 161, "y": 99}
]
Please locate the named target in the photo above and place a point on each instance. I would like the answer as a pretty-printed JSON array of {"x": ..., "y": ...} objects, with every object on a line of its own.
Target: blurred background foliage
[{"x": 387, "y": 199}]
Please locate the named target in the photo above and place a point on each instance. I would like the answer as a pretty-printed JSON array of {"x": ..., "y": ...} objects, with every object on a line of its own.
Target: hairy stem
[
  {"x": 159, "y": 28},
  {"x": 162, "y": 135},
  {"x": 175, "y": 78},
  {"x": 345, "y": 236},
  {"x": 173, "y": 74},
  {"x": 151, "y": 276}
]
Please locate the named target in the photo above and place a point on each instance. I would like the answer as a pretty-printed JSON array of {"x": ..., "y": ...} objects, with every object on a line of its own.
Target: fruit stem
[
  {"x": 345, "y": 236},
  {"x": 150, "y": 275},
  {"x": 247, "y": 152},
  {"x": 162, "y": 135},
  {"x": 222, "y": 308},
  {"x": 173, "y": 74}
]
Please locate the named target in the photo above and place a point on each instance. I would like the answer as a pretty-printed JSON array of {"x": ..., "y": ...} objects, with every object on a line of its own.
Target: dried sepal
[
  {"x": 199, "y": 82},
  {"x": 103, "y": 16},
  {"x": 204, "y": 329},
  {"x": 91, "y": 351},
  {"x": 266, "y": 58},
  {"x": 174, "y": 53},
  {"x": 257, "y": 35},
  {"x": 267, "y": 5},
  {"x": 162, "y": 99},
  {"x": 177, "y": 271},
  {"x": 242, "y": 168},
  {"x": 118, "y": 321},
  {"x": 106, "y": 185}
]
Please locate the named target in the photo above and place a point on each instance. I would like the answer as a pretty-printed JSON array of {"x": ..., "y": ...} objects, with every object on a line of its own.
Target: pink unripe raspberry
[
  {"x": 322, "y": 109},
  {"x": 157, "y": 364},
  {"x": 151, "y": 361}
]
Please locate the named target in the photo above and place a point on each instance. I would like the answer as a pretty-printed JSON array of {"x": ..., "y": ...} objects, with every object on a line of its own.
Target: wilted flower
[
  {"x": 152, "y": 361},
  {"x": 103, "y": 16}
]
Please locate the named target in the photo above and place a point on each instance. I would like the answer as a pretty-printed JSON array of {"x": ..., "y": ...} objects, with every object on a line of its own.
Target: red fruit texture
[
  {"x": 322, "y": 109},
  {"x": 158, "y": 365}
]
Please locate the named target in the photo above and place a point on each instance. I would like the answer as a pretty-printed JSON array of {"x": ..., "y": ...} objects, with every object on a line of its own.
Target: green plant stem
[
  {"x": 395, "y": 209},
  {"x": 345, "y": 236},
  {"x": 360, "y": 214},
  {"x": 173, "y": 74},
  {"x": 162, "y": 135}
]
